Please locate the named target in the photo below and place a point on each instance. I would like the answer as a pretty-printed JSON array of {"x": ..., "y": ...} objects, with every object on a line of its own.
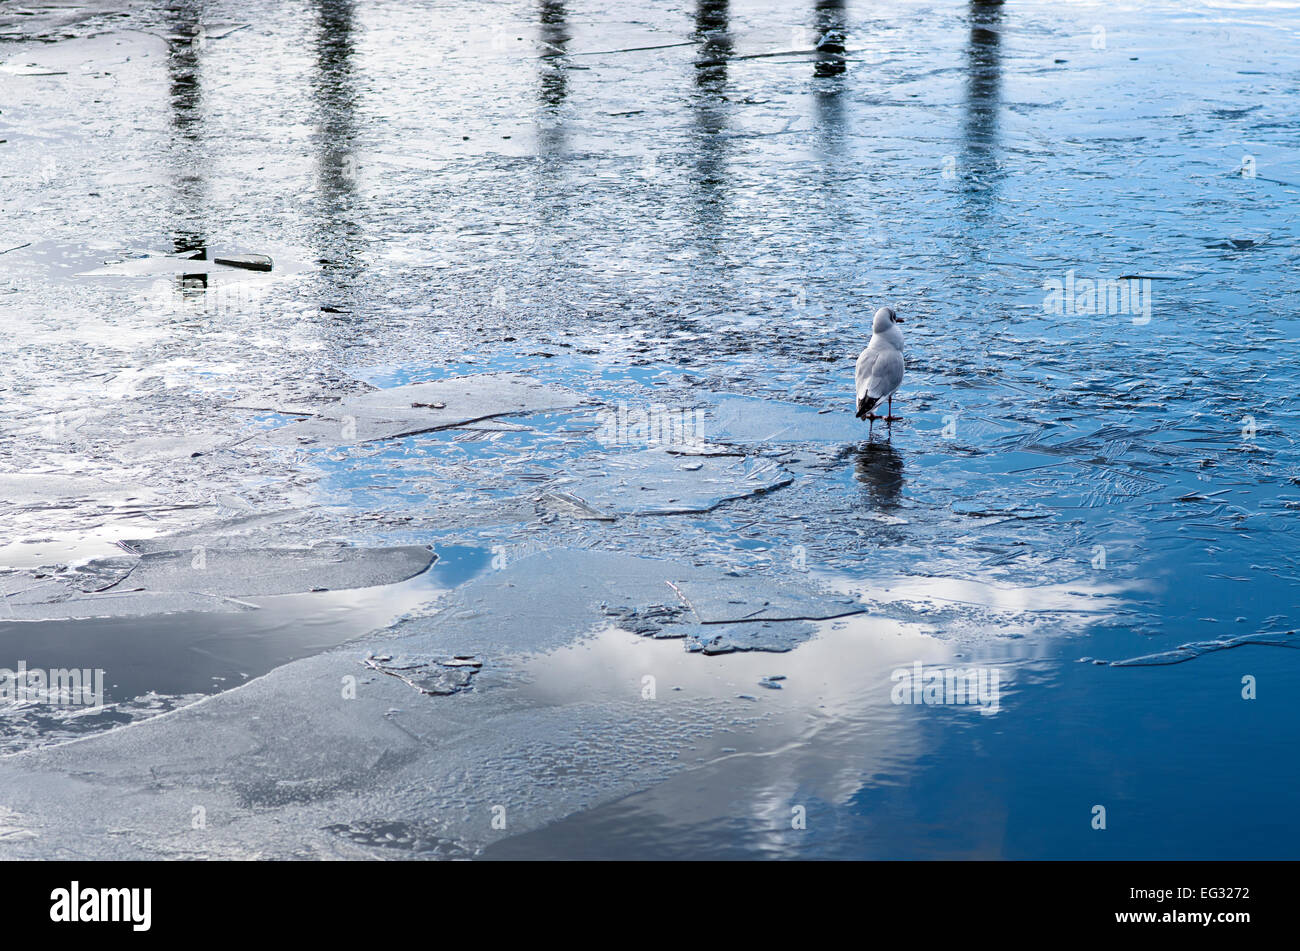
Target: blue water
[
  {"x": 468, "y": 187},
  {"x": 1185, "y": 768}
]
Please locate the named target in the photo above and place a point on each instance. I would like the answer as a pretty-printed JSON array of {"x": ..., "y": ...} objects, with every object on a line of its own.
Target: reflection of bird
[
  {"x": 880, "y": 366},
  {"x": 880, "y": 468}
]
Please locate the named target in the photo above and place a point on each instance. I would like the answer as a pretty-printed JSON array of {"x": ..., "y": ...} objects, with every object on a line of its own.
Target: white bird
[{"x": 880, "y": 366}]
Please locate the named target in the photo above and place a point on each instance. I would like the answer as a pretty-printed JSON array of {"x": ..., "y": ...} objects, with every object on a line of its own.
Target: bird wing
[
  {"x": 866, "y": 361},
  {"x": 886, "y": 374},
  {"x": 880, "y": 371}
]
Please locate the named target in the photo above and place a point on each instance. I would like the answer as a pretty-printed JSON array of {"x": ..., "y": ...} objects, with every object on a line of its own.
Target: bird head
[{"x": 884, "y": 319}]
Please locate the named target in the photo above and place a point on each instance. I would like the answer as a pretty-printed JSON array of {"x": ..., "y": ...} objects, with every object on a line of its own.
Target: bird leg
[{"x": 891, "y": 418}]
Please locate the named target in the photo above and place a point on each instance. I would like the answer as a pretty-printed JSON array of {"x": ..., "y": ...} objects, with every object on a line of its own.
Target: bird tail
[{"x": 866, "y": 404}]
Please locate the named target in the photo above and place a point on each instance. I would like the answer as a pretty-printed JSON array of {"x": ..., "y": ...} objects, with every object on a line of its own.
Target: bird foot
[
  {"x": 872, "y": 416},
  {"x": 893, "y": 419}
]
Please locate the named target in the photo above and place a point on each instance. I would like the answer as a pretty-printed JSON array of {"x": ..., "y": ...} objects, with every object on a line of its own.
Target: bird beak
[{"x": 898, "y": 320}]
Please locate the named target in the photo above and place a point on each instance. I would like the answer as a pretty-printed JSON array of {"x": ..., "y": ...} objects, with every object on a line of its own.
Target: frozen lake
[{"x": 436, "y": 421}]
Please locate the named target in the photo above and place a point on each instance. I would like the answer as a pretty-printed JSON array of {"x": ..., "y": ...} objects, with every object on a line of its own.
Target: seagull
[{"x": 880, "y": 366}]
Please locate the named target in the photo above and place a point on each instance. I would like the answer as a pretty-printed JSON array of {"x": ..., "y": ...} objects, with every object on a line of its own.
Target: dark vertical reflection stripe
[
  {"x": 334, "y": 96},
  {"x": 545, "y": 241},
  {"x": 979, "y": 168},
  {"x": 555, "y": 38},
  {"x": 980, "y": 132},
  {"x": 185, "y": 102},
  {"x": 829, "y": 22},
  {"x": 831, "y": 28},
  {"x": 712, "y": 30}
]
